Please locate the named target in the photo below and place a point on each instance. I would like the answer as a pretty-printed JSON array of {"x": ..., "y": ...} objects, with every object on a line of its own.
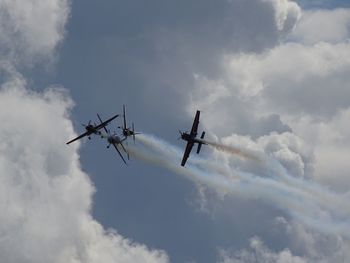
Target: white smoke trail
[
  {"x": 274, "y": 168},
  {"x": 304, "y": 200}
]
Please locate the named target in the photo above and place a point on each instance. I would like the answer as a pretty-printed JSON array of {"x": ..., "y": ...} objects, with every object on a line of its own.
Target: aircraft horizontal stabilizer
[
  {"x": 200, "y": 144},
  {"x": 199, "y": 147}
]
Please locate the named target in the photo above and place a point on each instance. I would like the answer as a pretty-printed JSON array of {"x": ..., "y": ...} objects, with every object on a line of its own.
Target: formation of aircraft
[
  {"x": 112, "y": 138},
  {"x": 117, "y": 141},
  {"x": 93, "y": 129}
]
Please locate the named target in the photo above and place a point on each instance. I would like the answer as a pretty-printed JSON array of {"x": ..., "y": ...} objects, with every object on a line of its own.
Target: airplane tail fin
[
  {"x": 180, "y": 135},
  {"x": 200, "y": 144},
  {"x": 124, "y": 117}
]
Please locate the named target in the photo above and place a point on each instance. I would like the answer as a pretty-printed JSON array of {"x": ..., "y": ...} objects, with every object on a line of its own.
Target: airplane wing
[
  {"x": 103, "y": 124},
  {"x": 187, "y": 153},
  {"x": 121, "y": 156},
  {"x": 79, "y": 137},
  {"x": 121, "y": 144},
  {"x": 195, "y": 124}
]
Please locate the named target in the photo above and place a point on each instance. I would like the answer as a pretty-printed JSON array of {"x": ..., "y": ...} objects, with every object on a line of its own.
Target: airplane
[
  {"x": 128, "y": 131},
  {"x": 93, "y": 129},
  {"x": 191, "y": 139},
  {"x": 113, "y": 139}
]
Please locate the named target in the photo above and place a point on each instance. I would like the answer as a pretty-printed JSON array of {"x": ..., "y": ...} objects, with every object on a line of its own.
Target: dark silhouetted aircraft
[
  {"x": 128, "y": 131},
  {"x": 113, "y": 139},
  {"x": 191, "y": 139},
  {"x": 93, "y": 129}
]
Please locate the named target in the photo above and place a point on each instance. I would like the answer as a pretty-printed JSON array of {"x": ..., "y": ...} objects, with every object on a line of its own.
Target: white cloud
[
  {"x": 45, "y": 197},
  {"x": 31, "y": 29},
  {"x": 330, "y": 140},
  {"x": 293, "y": 78},
  {"x": 316, "y": 249},
  {"x": 258, "y": 252},
  {"x": 287, "y": 13},
  {"x": 323, "y": 26},
  {"x": 305, "y": 245},
  {"x": 304, "y": 83},
  {"x": 286, "y": 148}
]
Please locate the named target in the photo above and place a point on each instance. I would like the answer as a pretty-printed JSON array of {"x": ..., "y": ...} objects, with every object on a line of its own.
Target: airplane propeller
[
  {"x": 180, "y": 135},
  {"x": 89, "y": 123}
]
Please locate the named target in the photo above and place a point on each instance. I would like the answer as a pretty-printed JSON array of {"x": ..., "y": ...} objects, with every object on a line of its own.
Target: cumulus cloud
[
  {"x": 258, "y": 252},
  {"x": 305, "y": 245},
  {"x": 287, "y": 13},
  {"x": 225, "y": 112},
  {"x": 195, "y": 41},
  {"x": 30, "y": 30},
  {"x": 303, "y": 82},
  {"x": 314, "y": 246},
  {"x": 316, "y": 26},
  {"x": 330, "y": 140},
  {"x": 286, "y": 148},
  {"x": 294, "y": 78},
  {"x": 46, "y": 198}
]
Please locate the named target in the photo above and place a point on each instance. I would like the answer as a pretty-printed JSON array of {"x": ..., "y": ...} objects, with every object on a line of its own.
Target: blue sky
[{"x": 232, "y": 60}]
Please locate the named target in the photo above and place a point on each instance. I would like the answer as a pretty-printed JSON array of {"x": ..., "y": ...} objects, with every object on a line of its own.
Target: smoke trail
[
  {"x": 274, "y": 168},
  {"x": 303, "y": 200},
  {"x": 234, "y": 150}
]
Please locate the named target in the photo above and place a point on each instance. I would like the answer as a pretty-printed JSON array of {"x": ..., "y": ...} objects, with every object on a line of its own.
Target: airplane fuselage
[
  {"x": 91, "y": 129},
  {"x": 127, "y": 132},
  {"x": 114, "y": 139},
  {"x": 191, "y": 138}
]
